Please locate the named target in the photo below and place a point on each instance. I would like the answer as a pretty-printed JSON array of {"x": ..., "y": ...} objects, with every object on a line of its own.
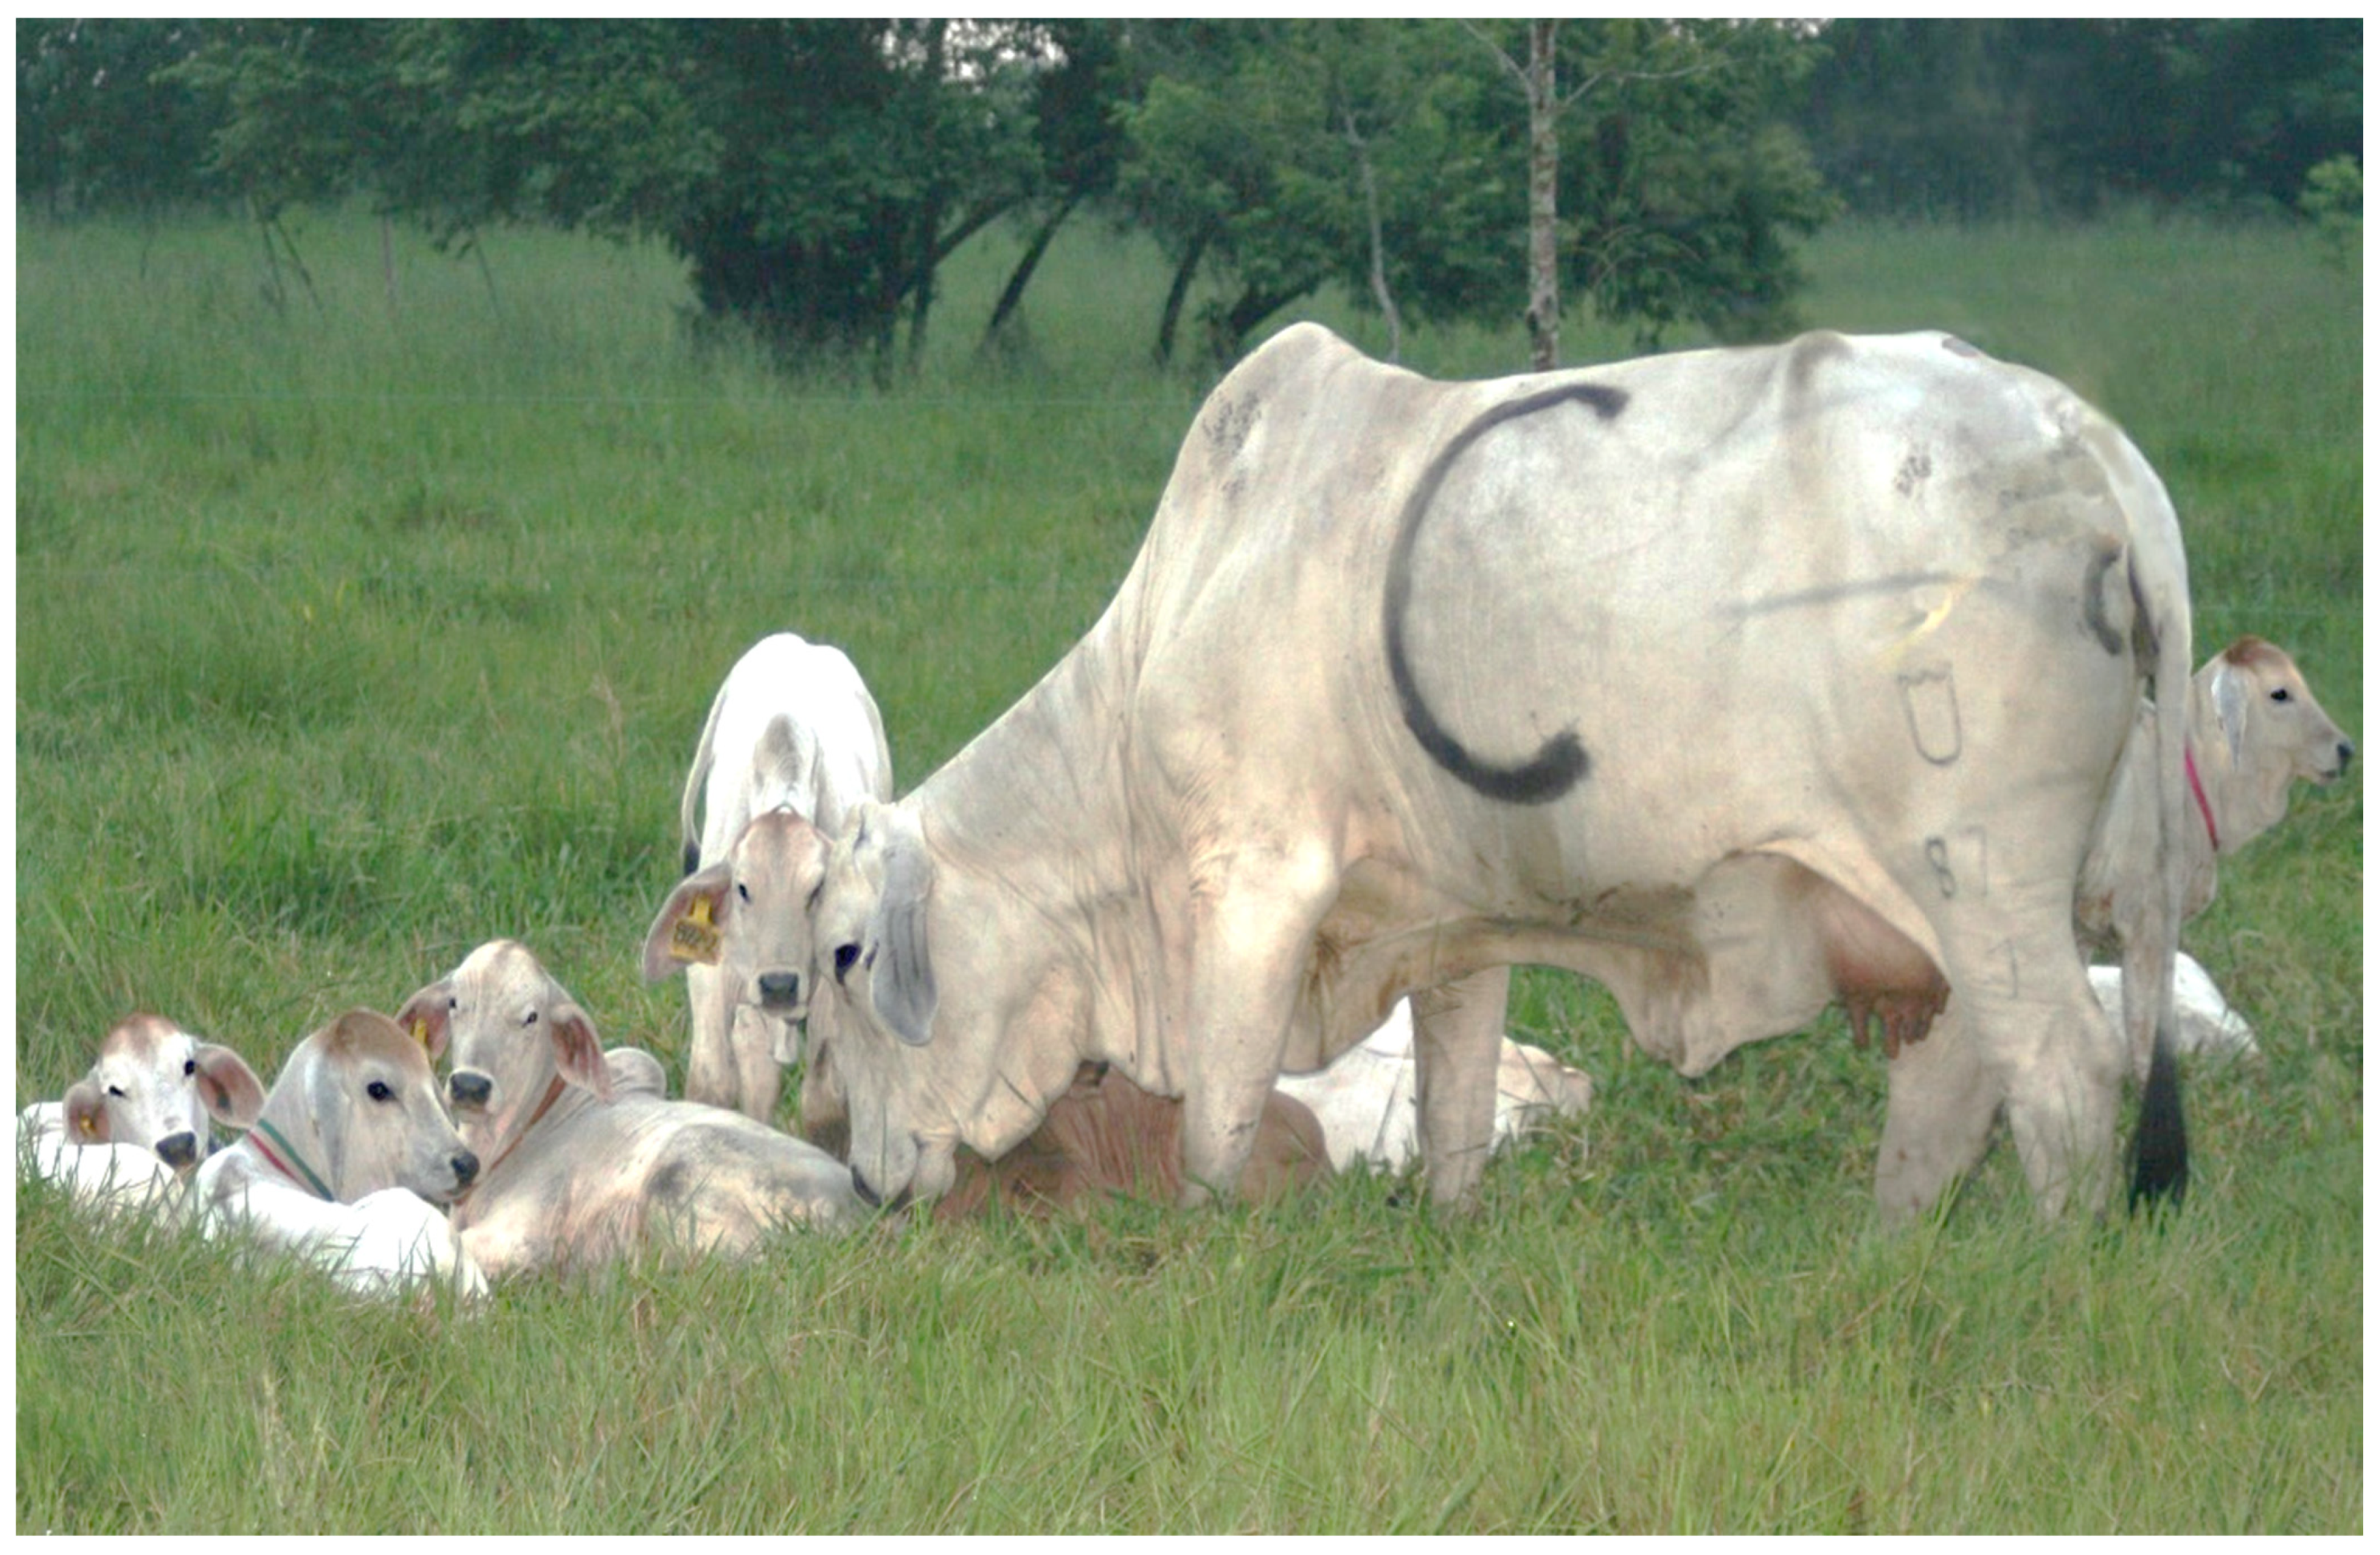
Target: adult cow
[{"x": 1741, "y": 681}]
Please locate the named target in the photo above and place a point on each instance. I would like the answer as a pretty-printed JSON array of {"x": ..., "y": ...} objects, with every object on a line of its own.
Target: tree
[
  {"x": 1077, "y": 100},
  {"x": 813, "y": 174},
  {"x": 1680, "y": 182},
  {"x": 1978, "y": 119},
  {"x": 97, "y": 125}
]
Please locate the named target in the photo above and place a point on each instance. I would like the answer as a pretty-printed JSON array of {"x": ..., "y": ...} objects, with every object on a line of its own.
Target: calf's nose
[
  {"x": 179, "y": 1151},
  {"x": 469, "y": 1090},
  {"x": 467, "y": 1167},
  {"x": 2345, "y": 754},
  {"x": 780, "y": 990}
]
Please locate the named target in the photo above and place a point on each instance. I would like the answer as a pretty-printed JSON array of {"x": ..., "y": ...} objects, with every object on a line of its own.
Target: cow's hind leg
[
  {"x": 2052, "y": 1055},
  {"x": 1457, "y": 1032}
]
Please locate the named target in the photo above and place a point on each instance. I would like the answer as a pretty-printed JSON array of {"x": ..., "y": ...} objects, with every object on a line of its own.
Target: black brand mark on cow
[
  {"x": 1561, "y": 762},
  {"x": 1938, "y": 858},
  {"x": 1930, "y": 698},
  {"x": 2094, "y": 601}
]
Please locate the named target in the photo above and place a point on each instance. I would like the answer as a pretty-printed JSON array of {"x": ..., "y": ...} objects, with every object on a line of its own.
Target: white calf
[
  {"x": 130, "y": 1131},
  {"x": 793, "y": 727},
  {"x": 585, "y": 1160},
  {"x": 352, "y": 1148},
  {"x": 2203, "y": 1022},
  {"x": 1366, "y": 1100}
]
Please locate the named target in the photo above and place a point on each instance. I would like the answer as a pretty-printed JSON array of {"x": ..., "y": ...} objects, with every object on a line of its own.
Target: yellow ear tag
[
  {"x": 421, "y": 1034},
  {"x": 694, "y": 937},
  {"x": 89, "y": 1129}
]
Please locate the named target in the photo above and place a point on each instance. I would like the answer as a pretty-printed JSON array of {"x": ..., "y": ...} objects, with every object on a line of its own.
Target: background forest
[{"x": 816, "y": 176}]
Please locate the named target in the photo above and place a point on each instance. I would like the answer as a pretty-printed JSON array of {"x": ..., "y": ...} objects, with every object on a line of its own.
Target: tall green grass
[{"x": 357, "y": 632}]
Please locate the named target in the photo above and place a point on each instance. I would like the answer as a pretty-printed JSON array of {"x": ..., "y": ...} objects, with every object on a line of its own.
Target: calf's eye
[
  {"x": 116, "y": 1091},
  {"x": 378, "y": 1090},
  {"x": 189, "y": 1066},
  {"x": 2281, "y": 694},
  {"x": 845, "y": 956}
]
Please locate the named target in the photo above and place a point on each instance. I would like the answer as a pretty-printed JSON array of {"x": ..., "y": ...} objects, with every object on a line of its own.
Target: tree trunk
[
  {"x": 1380, "y": 293},
  {"x": 1177, "y": 295},
  {"x": 1545, "y": 165},
  {"x": 1014, "y": 293}
]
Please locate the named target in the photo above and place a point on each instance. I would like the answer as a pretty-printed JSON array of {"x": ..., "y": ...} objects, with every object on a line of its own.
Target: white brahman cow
[
  {"x": 581, "y": 1166},
  {"x": 756, "y": 913},
  {"x": 346, "y": 1162},
  {"x": 132, "y": 1130},
  {"x": 792, "y": 728},
  {"x": 1741, "y": 681}
]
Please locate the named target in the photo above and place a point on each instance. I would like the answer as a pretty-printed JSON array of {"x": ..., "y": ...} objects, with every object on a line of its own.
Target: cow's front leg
[
  {"x": 1251, "y": 932},
  {"x": 1940, "y": 1106},
  {"x": 1457, "y": 1031}
]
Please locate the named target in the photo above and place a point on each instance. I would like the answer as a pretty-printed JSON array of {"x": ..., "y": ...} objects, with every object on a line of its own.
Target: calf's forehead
[
  {"x": 782, "y": 854},
  {"x": 139, "y": 1046},
  {"x": 361, "y": 1039}
]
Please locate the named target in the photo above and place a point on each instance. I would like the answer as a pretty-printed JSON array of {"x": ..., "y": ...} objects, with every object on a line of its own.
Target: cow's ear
[
  {"x": 687, "y": 932},
  {"x": 423, "y": 1018},
  {"x": 86, "y": 1109},
  {"x": 2231, "y": 709},
  {"x": 230, "y": 1088},
  {"x": 901, "y": 965},
  {"x": 578, "y": 1051}
]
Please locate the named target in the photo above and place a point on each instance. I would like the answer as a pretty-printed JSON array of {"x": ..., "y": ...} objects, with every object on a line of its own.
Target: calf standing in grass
[
  {"x": 584, "y": 1159},
  {"x": 349, "y": 1152},
  {"x": 792, "y": 728},
  {"x": 130, "y": 1131}
]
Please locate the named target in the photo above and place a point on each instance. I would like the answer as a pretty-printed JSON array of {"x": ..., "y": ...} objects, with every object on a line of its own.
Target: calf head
[
  {"x": 156, "y": 1085},
  {"x": 363, "y": 1092},
  {"x": 509, "y": 1032},
  {"x": 2272, "y": 733},
  {"x": 749, "y": 916}
]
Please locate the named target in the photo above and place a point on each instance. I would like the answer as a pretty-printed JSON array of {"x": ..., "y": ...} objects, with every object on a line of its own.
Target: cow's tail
[
  {"x": 696, "y": 777},
  {"x": 2161, "y": 1152}
]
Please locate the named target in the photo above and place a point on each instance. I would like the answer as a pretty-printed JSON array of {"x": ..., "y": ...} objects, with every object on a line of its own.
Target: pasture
[{"x": 351, "y": 634}]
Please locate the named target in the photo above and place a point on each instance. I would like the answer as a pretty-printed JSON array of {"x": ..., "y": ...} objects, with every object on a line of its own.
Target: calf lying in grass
[
  {"x": 580, "y": 1165},
  {"x": 128, "y": 1133},
  {"x": 346, "y": 1157}
]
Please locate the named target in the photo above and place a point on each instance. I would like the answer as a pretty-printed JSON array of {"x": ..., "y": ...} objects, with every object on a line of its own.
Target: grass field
[{"x": 352, "y": 636}]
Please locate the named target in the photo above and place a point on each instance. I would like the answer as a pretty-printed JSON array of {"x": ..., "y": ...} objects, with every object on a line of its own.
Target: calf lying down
[
  {"x": 344, "y": 1161},
  {"x": 584, "y": 1159},
  {"x": 128, "y": 1133}
]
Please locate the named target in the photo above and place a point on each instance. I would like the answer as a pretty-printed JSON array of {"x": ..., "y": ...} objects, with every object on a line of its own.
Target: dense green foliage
[
  {"x": 814, "y": 175},
  {"x": 1999, "y": 118},
  {"x": 351, "y": 634}
]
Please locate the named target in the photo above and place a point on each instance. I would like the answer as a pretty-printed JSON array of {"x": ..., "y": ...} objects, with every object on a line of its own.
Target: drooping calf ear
[
  {"x": 688, "y": 929},
  {"x": 901, "y": 963},
  {"x": 578, "y": 1051},
  {"x": 233, "y": 1093},
  {"x": 423, "y": 1018},
  {"x": 86, "y": 1109}
]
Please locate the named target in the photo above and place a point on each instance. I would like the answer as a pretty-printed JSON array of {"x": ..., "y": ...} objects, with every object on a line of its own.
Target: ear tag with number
[{"x": 695, "y": 937}]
